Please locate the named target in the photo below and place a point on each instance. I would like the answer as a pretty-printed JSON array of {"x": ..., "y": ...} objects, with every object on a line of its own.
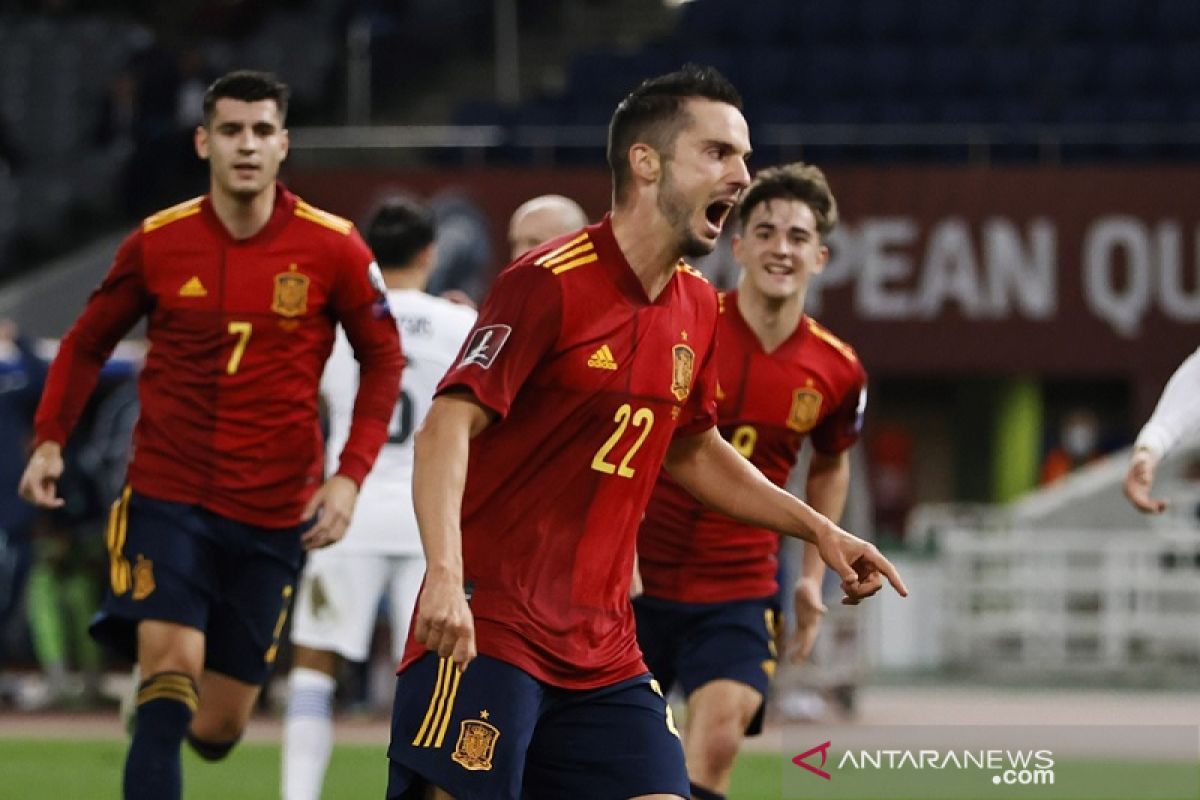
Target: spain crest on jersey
[
  {"x": 476, "y": 745},
  {"x": 291, "y": 293},
  {"x": 806, "y": 408},
  {"x": 681, "y": 371}
]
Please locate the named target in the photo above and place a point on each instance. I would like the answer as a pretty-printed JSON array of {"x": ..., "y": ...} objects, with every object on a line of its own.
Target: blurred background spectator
[{"x": 21, "y": 377}]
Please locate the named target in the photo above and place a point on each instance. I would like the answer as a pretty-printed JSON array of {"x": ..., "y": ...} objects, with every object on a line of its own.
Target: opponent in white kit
[{"x": 341, "y": 588}]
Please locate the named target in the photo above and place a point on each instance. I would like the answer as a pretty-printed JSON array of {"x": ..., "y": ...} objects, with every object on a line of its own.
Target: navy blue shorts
[
  {"x": 182, "y": 563},
  {"x": 496, "y": 733},
  {"x": 690, "y": 644}
]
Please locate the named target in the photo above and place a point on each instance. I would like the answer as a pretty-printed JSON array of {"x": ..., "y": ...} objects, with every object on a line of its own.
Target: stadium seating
[
  {"x": 1001, "y": 66},
  {"x": 68, "y": 154}
]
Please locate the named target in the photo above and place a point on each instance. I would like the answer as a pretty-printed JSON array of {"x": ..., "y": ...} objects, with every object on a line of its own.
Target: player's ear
[
  {"x": 285, "y": 142},
  {"x": 645, "y": 162},
  {"x": 822, "y": 260},
  {"x": 200, "y": 139}
]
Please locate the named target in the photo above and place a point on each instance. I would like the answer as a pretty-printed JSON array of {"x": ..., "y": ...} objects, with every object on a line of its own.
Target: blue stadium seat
[
  {"x": 999, "y": 23},
  {"x": 771, "y": 74},
  {"x": 482, "y": 112},
  {"x": 824, "y": 22},
  {"x": 949, "y": 71},
  {"x": 1177, "y": 20},
  {"x": 1017, "y": 110},
  {"x": 839, "y": 111},
  {"x": 590, "y": 113},
  {"x": 655, "y": 60},
  {"x": 898, "y": 112},
  {"x": 1116, "y": 20},
  {"x": 797, "y": 112},
  {"x": 1133, "y": 69},
  {"x": 543, "y": 112},
  {"x": 1085, "y": 110},
  {"x": 1183, "y": 67},
  {"x": 888, "y": 71},
  {"x": 1055, "y": 21},
  {"x": 603, "y": 75},
  {"x": 760, "y": 23},
  {"x": 1155, "y": 109},
  {"x": 833, "y": 72},
  {"x": 1067, "y": 70},
  {"x": 884, "y": 21},
  {"x": 1189, "y": 110},
  {"x": 942, "y": 21},
  {"x": 707, "y": 21},
  {"x": 1007, "y": 69},
  {"x": 964, "y": 111}
]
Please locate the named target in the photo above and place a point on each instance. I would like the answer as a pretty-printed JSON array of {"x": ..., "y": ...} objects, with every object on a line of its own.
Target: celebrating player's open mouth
[{"x": 716, "y": 213}]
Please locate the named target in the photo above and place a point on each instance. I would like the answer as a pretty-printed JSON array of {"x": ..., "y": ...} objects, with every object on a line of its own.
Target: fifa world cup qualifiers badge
[{"x": 484, "y": 345}]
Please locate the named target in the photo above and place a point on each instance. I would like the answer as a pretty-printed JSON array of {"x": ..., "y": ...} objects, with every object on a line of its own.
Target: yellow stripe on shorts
[{"x": 437, "y": 717}]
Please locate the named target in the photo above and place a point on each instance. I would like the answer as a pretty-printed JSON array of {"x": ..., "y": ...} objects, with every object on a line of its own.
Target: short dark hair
[
  {"x": 798, "y": 181},
  {"x": 653, "y": 113},
  {"x": 399, "y": 228},
  {"x": 249, "y": 86}
]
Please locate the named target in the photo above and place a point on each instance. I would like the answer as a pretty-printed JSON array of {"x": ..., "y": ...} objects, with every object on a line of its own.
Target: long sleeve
[
  {"x": 361, "y": 307},
  {"x": 376, "y": 344},
  {"x": 111, "y": 311},
  {"x": 1178, "y": 411}
]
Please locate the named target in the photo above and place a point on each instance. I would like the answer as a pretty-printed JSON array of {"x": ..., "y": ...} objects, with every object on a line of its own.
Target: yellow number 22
[
  {"x": 643, "y": 418},
  {"x": 242, "y": 331}
]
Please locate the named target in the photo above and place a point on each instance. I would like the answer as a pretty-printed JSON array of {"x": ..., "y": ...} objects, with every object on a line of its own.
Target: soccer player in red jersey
[
  {"x": 241, "y": 289},
  {"x": 706, "y": 617},
  {"x": 592, "y": 365}
]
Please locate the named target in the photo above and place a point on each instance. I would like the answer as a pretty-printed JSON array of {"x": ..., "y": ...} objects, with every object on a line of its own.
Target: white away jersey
[{"x": 431, "y": 332}]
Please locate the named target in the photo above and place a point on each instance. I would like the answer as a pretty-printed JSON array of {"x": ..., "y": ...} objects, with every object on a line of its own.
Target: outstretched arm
[
  {"x": 711, "y": 470},
  {"x": 1176, "y": 415}
]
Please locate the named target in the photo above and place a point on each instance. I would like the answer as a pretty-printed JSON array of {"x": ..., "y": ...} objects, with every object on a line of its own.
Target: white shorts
[{"x": 339, "y": 596}]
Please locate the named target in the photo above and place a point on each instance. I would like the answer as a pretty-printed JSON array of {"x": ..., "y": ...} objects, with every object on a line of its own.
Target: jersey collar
[
  {"x": 285, "y": 207},
  {"x": 615, "y": 263},
  {"x": 735, "y": 315}
]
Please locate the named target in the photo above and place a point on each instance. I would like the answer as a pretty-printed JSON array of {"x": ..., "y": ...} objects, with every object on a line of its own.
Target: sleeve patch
[
  {"x": 860, "y": 410},
  {"x": 375, "y": 276},
  {"x": 484, "y": 345}
]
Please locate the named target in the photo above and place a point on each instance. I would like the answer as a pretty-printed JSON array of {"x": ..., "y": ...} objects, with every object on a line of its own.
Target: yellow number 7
[{"x": 242, "y": 331}]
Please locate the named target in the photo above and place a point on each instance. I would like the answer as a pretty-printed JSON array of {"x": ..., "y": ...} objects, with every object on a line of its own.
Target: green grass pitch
[{"x": 65, "y": 769}]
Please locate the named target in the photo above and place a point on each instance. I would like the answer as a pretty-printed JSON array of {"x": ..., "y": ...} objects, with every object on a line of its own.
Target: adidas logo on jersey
[
  {"x": 602, "y": 359},
  {"x": 193, "y": 288}
]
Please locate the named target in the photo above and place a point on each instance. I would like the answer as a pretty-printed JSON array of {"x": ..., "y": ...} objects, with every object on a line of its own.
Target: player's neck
[
  {"x": 243, "y": 216},
  {"x": 773, "y": 320},
  {"x": 405, "y": 279},
  {"x": 648, "y": 244}
]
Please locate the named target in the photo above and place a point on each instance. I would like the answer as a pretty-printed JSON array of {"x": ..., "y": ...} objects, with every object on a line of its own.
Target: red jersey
[
  {"x": 590, "y": 381},
  {"x": 238, "y": 334},
  {"x": 811, "y": 385}
]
